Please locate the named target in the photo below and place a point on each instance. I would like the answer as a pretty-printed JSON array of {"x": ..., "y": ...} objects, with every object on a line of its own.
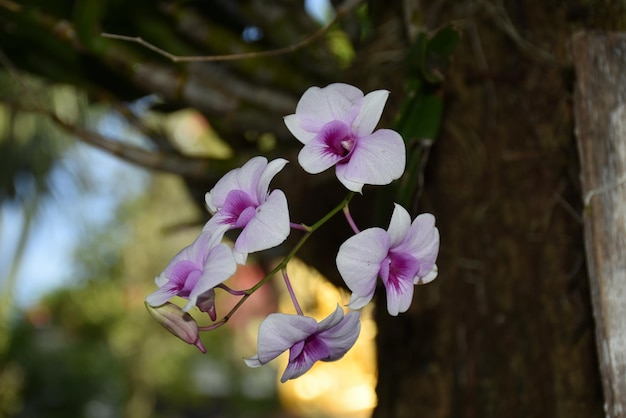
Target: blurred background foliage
[
  {"x": 91, "y": 349},
  {"x": 87, "y": 347}
]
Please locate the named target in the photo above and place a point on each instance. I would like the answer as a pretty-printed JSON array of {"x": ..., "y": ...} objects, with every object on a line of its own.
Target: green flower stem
[
  {"x": 305, "y": 237},
  {"x": 282, "y": 265}
]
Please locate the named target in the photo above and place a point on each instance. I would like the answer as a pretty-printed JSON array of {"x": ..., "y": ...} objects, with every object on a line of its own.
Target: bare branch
[
  {"x": 189, "y": 167},
  {"x": 196, "y": 168},
  {"x": 344, "y": 9}
]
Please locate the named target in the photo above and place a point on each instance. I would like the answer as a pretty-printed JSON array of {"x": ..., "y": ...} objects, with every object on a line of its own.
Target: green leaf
[
  {"x": 421, "y": 118},
  {"x": 439, "y": 51}
]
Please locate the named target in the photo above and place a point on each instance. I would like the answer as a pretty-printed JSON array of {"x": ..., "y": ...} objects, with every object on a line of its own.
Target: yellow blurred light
[
  {"x": 192, "y": 135},
  {"x": 344, "y": 388}
]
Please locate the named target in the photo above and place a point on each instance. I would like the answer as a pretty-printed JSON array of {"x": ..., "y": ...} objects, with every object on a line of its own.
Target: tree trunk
[
  {"x": 601, "y": 132},
  {"x": 507, "y": 329}
]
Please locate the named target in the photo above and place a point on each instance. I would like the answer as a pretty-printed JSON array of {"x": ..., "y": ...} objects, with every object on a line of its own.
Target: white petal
[
  {"x": 160, "y": 280},
  {"x": 422, "y": 229},
  {"x": 353, "y": 186},
  {"x": 429, "y": 277},
  {"x": 422, "y": 241},
  {"x": 268, "y": 228},
  {"x": 160, "y": 296},
  {"x": 219, "y": 266},
  {"x": 359, "y": 258},
  {"x": 315, "y": 158},
  {"x": 369, "y": 115},
  {"x": 293, "y": 124},
  {"x": 245, "y": 178},
  {"x": 399, "y": 299},
  {"x": 249, "y": 175},
  {"x": 332, "y": 319},
  {"x": 278, "y": 332},
  {"x": 399, "y": 224},
  {"x": 342, "y": 337},
  {"x": 269, "y": 172},
  {"x": 377, "y": 159},
  {"x": 318, "y": 106},
  {"x": 253, "y": 361},
  {"x": 209, "y": 199},
  {"x": 194, "y": 253},
  {"x": 357, "y": 302}
]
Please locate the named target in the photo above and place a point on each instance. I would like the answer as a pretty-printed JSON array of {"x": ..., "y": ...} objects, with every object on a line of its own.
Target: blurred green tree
[{"x": 91, "y": 350}]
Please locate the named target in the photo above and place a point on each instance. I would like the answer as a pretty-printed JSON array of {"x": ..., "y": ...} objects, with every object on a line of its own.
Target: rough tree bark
[{"x": 507, "y": 329}]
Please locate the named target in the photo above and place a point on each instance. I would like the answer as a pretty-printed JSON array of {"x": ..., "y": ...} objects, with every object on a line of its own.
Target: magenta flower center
[
  {"x": 397, "y": 268},
  {"x": 238, "y": 209},
  {"x": 338, "y": 138},
  {"x": 185, "y": 275},
  {"x": 312, "y": 348}
]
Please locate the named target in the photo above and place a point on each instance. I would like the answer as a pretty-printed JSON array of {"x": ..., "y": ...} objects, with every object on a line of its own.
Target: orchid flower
[
  {"x": 336, "y": 125},
  {"x": 241, "y": 199},
  {"x": 194, "y": 272},
  {"x": 307, "y": 340},
  {"x": 402, "y": 256}
]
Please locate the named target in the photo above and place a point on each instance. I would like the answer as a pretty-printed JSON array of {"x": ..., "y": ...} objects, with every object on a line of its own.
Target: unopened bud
[
  {"x": 179, "y": 323},
  {"x": 206, "y": 303}
]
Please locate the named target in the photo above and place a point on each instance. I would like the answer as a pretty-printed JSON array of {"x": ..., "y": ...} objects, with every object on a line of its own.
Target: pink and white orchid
[
  {"x": 241, "y": 199},
  {"x": 194, "y": 272},
  {"x": 336, "y": 125},
  {"x": 307, "y": 340},
  {"x": 402, "y": 256}
]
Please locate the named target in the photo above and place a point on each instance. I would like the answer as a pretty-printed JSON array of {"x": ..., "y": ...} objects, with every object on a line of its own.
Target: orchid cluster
[{"x": 336, "y": 124}]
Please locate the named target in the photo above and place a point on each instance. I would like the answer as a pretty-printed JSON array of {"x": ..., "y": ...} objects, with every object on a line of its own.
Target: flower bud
[
  {"x": 179, "y": 323},
  {"x": 206, "y": 303}
]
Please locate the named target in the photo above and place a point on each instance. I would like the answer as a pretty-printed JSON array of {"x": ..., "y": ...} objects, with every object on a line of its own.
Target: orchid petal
[
  {"x": 342, "y": 337},
  {"x": 268, "y": 228},
  {"x": 217, "y": 226},
  {"x": 399, "y": 224},
  {"x": 318, "y": 106},
  {"x": 219, "y": 266},
  {"x": 178, "y": 272},
  {"x": 293, "y": 124},
  {"x": 160, "y": 280},
  {"x": 422, "y": 240},
  {"x": 269, "y": 173},
  {"x": 253, "y": 361},
  {"x": 371, "y": 109},
  {"x": 192, "y": 255},
  {"x": 420, "y": 234},
  {"x": 428, "y": 255},
  {"x": 399, "y": 296},
  {"x": 161, "y": 295},
  {"x": 296, "y": 350},
  {"x": 353, "y": 186},
  {"x": 331, "y": 320},
  {"x": 314, "y": 350},
  {"x": 359, "y": 258},
  {"x": 429, "y": 277},
  {"x": 422, "y": 231},
  {"x": 377, "y": 159},
  {"x": 244, "y": 178},
  {"x": 278, "y": 332},
  {"x": 315, "y": 156},
  {"x": 357, "y": 302}
]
